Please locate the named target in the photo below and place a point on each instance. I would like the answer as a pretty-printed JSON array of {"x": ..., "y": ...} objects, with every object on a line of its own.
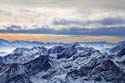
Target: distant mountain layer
[
  {"x": 67, "y": 63},
  {"x": 23, "y": 42},
  {"x": 8, "y": 46}
]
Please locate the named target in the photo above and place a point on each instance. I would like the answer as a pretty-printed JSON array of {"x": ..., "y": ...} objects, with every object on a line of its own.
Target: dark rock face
[
  {"x": 19, "y": 79},
  {"x": 56, "y": 49},
  {"x": 121, "y": 52},
  {"x": 39, "y": 64},
  {"x": 63, "y": 52},
  {"x": 67, "y": 53},
  {"x": 10, "y": 71},
  {"x": 20, "y": 73},
  {"x": 106, "y": 70},
  {"x": 118, "y": 50}
]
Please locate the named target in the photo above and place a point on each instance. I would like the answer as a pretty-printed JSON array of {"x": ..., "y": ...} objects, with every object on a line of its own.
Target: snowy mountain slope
[
  {"x": 71, "y": 63},
  {"x": 20, "y": 73}
]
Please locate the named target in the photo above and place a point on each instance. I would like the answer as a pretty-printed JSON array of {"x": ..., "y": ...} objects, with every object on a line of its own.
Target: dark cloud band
[{"x": 119, "y": 31}]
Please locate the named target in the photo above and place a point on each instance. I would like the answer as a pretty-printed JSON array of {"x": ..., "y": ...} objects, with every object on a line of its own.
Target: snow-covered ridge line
[
  {"x": 70, "y": 63},
  {"x": 8, "y": 46}
]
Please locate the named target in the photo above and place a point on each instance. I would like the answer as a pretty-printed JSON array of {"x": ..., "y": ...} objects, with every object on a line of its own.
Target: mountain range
[{"x": 64, "y": 63}]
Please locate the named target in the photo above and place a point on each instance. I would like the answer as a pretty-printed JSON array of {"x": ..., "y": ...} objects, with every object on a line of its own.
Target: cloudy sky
[{"x": 79, "y": 20}]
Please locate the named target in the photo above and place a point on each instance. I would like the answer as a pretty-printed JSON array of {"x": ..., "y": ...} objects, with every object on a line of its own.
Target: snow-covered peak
[{"x": 65, "y": 63}]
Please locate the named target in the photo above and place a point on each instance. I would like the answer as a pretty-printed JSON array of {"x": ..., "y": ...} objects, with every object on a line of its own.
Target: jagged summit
[{"x": 69, "y": 63}]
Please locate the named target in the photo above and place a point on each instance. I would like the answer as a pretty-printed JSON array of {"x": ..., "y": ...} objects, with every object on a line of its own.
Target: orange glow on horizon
[{"x": 58, "y": 38}]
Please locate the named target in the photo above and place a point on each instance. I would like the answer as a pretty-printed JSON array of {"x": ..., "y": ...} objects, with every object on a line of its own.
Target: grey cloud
[
  {"x": 111, "y": 26},
  {"x": 119, "y": 31},
  {"x": 111, "y": 4},
  {"x": 104, "y": 21},
  {"x": 81, "y": 27}
]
